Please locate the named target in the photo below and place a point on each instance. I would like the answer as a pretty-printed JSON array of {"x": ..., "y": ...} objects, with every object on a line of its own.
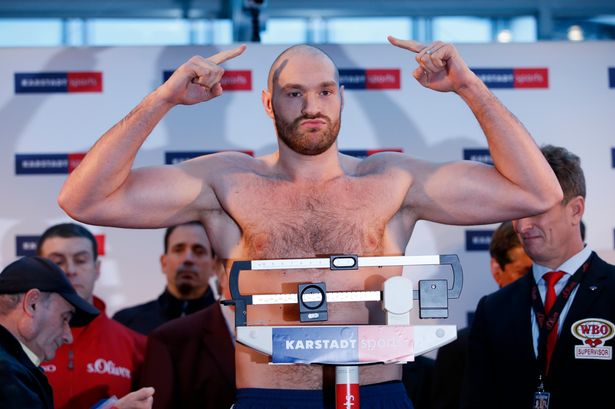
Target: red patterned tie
[{"x": 551, "y": 278}]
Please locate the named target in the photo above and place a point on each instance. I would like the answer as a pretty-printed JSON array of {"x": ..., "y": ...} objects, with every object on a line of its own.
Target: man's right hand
[
  {"x": 198, "y": 79},
  {"x": 141, "y": 399}
]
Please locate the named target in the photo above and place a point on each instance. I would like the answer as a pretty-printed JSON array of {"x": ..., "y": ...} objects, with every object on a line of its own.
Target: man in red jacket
[{"x": 105, "y": 356}]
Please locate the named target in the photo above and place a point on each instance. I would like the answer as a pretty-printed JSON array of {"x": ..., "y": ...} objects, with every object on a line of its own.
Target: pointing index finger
[
  {"x": 223, "y": 56},
  {"x": 409, "y": 45}
]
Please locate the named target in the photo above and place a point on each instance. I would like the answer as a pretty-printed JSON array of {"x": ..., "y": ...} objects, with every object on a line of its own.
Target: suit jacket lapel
[
  {"x": 217, "y": 339},
  {"x": 523, "y": 304},
  {"x": 589, "y": 290}
]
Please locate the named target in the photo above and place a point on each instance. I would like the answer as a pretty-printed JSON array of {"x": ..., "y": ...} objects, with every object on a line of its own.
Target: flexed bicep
[
  {"x": 151, "y": 197},
  {"x": 465, "y": 193}
]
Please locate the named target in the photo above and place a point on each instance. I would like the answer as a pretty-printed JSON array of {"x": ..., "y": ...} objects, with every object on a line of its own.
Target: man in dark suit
[
  {"x": 545, "y": 341},
  {"x": 508, "y": 263},
  {"x": 190, "y": 361}
]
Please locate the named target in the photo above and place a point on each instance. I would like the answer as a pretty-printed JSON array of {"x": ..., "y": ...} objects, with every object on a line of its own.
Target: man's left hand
[{"x": 441, "y": 68}]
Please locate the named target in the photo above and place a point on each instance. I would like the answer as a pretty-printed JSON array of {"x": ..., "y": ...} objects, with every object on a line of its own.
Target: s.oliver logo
[
  {"x": 232, "y": 80},
  {"x": 61, "y": 82},
  {"x": 107, "y": 367}
]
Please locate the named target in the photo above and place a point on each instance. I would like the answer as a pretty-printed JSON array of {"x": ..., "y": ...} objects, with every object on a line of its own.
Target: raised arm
[
  {"x": 105, "y": 190},
  {"x": 521, "y": 181}
]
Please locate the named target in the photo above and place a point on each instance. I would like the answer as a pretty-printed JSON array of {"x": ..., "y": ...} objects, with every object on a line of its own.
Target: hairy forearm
[
  {"x": 107, "y": 165},
  {"x": 513, "y": 150}
]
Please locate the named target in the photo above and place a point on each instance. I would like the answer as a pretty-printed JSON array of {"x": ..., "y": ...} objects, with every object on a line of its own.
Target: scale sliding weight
[{"x": 347, "y": 346}]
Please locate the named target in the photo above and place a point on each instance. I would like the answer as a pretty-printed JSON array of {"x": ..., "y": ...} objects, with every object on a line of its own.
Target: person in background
[
  {"x": 190, "y": 361},
  {"x": 189, "y": 264},
  {"x": 417, "y": 377},
  {"x": 105, "y": 357},
  {"x": 508, "y": 263},
  {"x": 546, "y": 339},
  {"x": 37, "y": 302}
]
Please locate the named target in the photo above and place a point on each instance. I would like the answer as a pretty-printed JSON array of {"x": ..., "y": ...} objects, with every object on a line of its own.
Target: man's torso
[{"x": 273, "y": 218}]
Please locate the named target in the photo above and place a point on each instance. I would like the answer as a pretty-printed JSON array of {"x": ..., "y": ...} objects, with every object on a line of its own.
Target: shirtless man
[{"x": 307, "y": 199}]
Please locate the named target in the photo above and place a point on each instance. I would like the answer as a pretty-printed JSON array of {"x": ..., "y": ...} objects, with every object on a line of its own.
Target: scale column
[{"x": 347, "y": 387}]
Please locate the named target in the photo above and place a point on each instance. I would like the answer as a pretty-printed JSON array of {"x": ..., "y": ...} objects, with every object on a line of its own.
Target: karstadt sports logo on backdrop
[
  {"x": 26, "y": 245},
  {"x": 514, "y": 77},
  {"x": 232, "y": 80},
  {"x": 370, "y": 78},
  {"x": 60, "y": 82},
  {"x": 478, "y": 240},
  {"x": 478, "y": 155},
  {"x": 364, "y": 153},
  {"x": 47, "y": 163},
  {"x": 172, "y": 158}
]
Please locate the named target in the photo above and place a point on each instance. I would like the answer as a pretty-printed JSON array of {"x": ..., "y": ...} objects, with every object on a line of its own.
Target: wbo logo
[
  {"x": 514, "y": 77},
  {"x": 594, "y": 332},
  {"x": 357, "y": 78},
  {"x": 60, "y": 82},
  {"x": 232, "y": 80},
  {"x": 47, "y": 163}
]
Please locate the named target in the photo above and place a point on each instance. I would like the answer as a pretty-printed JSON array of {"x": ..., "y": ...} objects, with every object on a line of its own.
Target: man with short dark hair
[
  {"x": 37, "y": 302},
  {"x": 105, "y": 357},
  {"x": 188, "y": 263},
  {"x": 191, "y": 360},
  {"x": 508, "y": 259},
  {"x": 546, "y": 339}
]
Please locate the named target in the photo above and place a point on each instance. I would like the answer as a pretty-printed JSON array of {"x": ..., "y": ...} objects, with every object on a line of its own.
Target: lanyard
[{"x": 547, "y": 323}]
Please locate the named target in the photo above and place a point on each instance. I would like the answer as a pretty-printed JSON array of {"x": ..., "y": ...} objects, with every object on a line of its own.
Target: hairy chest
[{"x": 280, "y": 219}]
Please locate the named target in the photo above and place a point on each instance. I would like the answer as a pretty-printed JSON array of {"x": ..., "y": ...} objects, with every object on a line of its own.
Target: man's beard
[
  {"x": 303, "y": 142},
  {"x": 185, "y": 286},
  {"x": 185, "y": 289}
]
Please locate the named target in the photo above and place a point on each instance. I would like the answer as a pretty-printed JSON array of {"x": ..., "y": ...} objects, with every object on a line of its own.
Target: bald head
[{"x": 301, "y": 51}]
